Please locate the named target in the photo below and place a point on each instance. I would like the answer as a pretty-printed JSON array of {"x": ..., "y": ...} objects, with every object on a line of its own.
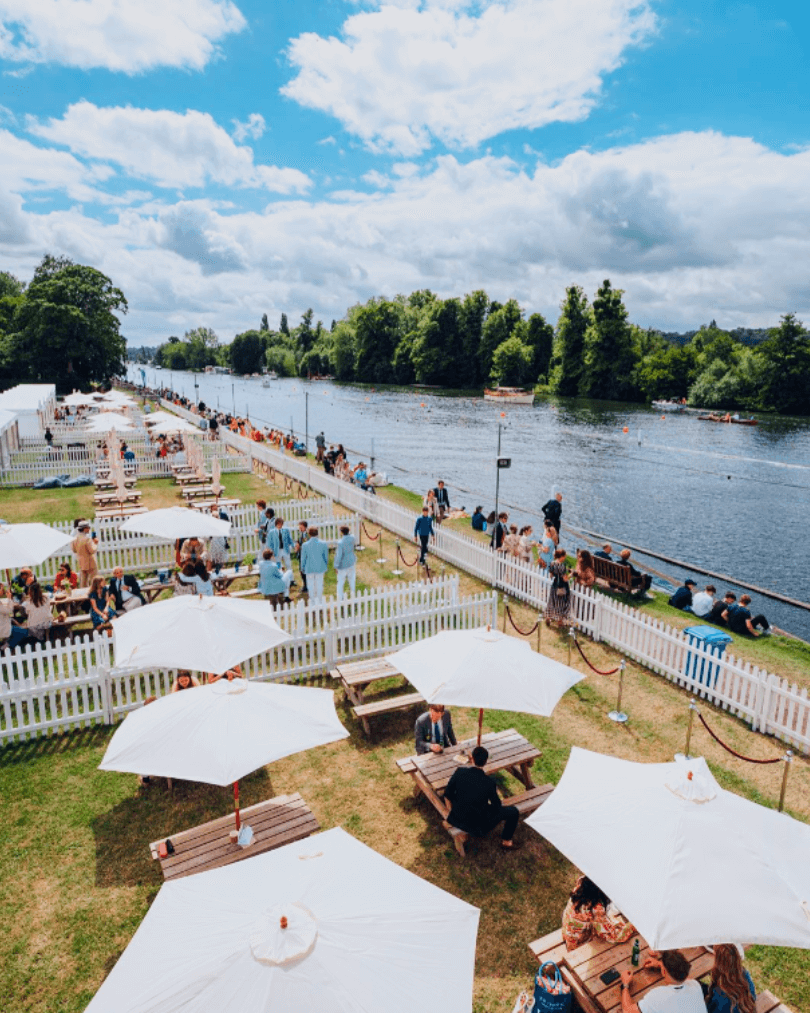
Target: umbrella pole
[
  {"x": 480, "y": 724},
  {"x": 236, "y": 804}
]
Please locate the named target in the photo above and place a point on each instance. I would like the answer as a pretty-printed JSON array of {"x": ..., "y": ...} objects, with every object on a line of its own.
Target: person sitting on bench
[
  {"x": 434, "y": 730},
  {"x": 640, "y": 581},
  {"x": 476, "y": 806}
]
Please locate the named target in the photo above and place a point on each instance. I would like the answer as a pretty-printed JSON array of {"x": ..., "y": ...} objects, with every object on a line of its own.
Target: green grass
[{"x": 19, "y": 506}]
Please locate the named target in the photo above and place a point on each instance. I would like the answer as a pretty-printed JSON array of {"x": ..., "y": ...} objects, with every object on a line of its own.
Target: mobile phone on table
[{"x": 609, "y": 976}]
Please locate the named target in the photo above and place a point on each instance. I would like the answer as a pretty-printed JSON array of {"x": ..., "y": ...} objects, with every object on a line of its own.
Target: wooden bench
[
  {"x": 197, "y": 491},
  {"x": 103, "y": 499},
  {"x": 387, "y": 706},
  {"x": 128, "y": 510},
  {"x": 275, "y": 822},
  {"x": 768, "y": 1003},
  {"x": 615, "y": 576},
  {"x": 526, "y": 802}
]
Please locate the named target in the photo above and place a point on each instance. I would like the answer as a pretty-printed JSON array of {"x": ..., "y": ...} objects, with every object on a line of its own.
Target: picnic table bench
[
  {"x": 508, "y": 750},
  {"x": 131, "y": 496},
  {"x": 186, "y": 476},
  {"x": 191, "y": 492},
  {"x": 206, "y": 504},
  {"x": 107, "y": 483},
  {"x": 121, "y": 511},
  {"x": 356, "y": 676},
  {"x": 276, "y": 821}
]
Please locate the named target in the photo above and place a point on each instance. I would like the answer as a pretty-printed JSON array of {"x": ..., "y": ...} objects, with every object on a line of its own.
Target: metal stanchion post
[
  {"x": 382, "y": 557},
  {"x": 505, "y": 607},
  {"x": 788, "y": 761},
  {"x": 618, "y": 715},
  {"x": 692, "y": 710},
  {"x": 396, "y": 572},
  {"x": 539, "y": 631},
  {"x": 571, "y": 636},
  {"x": 360, "y": 547}
]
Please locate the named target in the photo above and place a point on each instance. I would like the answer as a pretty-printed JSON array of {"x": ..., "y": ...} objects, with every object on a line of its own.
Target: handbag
[{"x": 551, "y": 995}]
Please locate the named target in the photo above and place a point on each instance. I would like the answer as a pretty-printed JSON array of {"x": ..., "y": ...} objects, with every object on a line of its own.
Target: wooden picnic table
[
  {"x": 355, "y": 676},
  {"x": 192, "y": 492},
  {"x": 73, "y": 602},
  {"x": 582, "y": 969},
  {"x": 275, "y": 822},
  {"x": 188, "y": 477},
  {"x": 132, "y": 497}
]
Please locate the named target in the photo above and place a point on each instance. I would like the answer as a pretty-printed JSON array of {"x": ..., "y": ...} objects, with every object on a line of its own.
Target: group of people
[{"x": 725, "y": 611}]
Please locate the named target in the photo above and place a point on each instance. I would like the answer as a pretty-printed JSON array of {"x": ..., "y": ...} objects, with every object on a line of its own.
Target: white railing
[
  {"x": 52, "y": 687},
  {"x": 771, "y": 704},
  {"x": 138, "y": 553}
]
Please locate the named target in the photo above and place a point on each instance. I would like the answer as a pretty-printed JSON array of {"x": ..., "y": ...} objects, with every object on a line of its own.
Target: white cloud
[
  {"x": 174, "y": 149},
  {"x": 25, "y": 167},
  {"x": 460, "y": 72},
  {"x": 254, "y": 127},
  {"x": 327, "y": 140},
  {"x": 120, "y": 35},
  {"x": 692, "y": 226}
]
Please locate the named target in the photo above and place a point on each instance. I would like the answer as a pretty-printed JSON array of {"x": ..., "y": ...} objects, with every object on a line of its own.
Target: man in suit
[
  {"x": 476, "y": 806},
  {"x": 434, "y": 730},
  {"x": 85, "y": 549},
  {"x": 499, "y": 531},
  {"x": 301, "y": 537},
  {"x": 314, "y": 562},
  {"x": 552, "y": 511},
  {"x": 345, "y": 562},
  {"x": 442, "y": 499},
  {"x": 126, "y": 591},
  {"x": 280, "y": 540}
]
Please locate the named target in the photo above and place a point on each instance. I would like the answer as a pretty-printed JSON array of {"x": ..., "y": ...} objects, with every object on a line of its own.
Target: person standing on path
[
  {"x": 499, "y": 531},
  {"x": 422, "y": 532},
  {"x": 280, "y": 540},
  {"x": 442, "y": 500},
  {"x": 85, "y": 549},
  {"x": 345, "y": 562},
  {"x": 300, "y": 539},
  {"x": 320, "y": 446},
  {"x": 552, "y": 511},
  {"x": 315, "y": 561}
]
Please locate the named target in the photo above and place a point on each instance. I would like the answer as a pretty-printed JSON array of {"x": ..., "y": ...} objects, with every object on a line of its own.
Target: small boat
[
  {"x": 269, "y": 377},
  {"x": 669, "y": 406},
  {"x": 727, "y": 419},
  {"x": 512, "y": 395}
]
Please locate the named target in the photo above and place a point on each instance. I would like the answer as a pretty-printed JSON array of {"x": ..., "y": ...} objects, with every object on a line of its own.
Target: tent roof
[{"x": 27, "y": 396}]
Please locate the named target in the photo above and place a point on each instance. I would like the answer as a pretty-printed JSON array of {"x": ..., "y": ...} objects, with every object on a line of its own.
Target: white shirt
[
  {"x": 684, "y": 998},
  {"x": 6, "y": 608},
  {"x": 702, "y": 603}
]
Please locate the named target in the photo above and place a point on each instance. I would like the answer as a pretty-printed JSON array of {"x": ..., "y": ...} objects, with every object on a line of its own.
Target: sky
[{"x": 221, "y": 159}]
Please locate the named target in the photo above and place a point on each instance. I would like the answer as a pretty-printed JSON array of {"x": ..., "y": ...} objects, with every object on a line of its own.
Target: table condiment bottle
[{"x": 634, "y": 956}]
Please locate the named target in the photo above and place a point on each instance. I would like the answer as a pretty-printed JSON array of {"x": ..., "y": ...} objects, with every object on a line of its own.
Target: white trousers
[
  {"x": 350, "y": 575},
  {"x": 287, "y": 577},
  {"x": 315, "y": 586},
  {"x": 284, "y": 557}
]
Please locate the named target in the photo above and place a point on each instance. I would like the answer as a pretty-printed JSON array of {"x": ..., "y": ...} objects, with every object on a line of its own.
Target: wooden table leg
[
  {"x": 442, "y": 806},
  {"x": 522, "y": 773}
]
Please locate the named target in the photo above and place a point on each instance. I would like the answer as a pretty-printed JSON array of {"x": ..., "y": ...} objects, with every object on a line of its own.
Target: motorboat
[
  {"x": 510, "y": 395},
  {"x": 669, "y": 406},
  {"x": 727, "y": 419},
  {"x": 269, "y": 377}
]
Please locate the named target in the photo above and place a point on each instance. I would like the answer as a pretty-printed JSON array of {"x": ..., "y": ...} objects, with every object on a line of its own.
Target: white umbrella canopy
[
  {"x": 486, "y": 669},
  {"x": 687, "y": 862},
  {"x": 204, "y": 634},
  {"x": 77, "y": 398},
  {"x": 219, "y": 733},
  {"x": 177, "y": 522},
  {"x": 175, "y": 426},
  {"x": 29, "y": 544},
  {"x": 159, "y": 416},
  {"x": 106, "y": 421},
  {"x": 363, "y": 936}
]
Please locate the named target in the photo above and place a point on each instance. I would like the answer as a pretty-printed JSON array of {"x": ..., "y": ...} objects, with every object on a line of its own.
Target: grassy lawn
[{"x": 76, "y": 878}]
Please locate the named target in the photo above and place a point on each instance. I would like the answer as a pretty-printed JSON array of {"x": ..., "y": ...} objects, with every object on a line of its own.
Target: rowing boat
[
  {"x": 512, "y": 395},
  {"x": 722, "y": 418}
]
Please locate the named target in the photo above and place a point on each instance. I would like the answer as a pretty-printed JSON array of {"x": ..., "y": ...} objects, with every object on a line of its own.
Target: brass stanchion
[
  {"x": 692, "y": 710},
  {"x": 505, "y": 607},
  {"x": 539, "y": 631},
  {"x": 618, "y": 714},
  {"x": 571, "y": 636},
  {"x": 788, "y": 761},
  {"x": 382, "y": 557},
  {"x": 396, "y": 572}
]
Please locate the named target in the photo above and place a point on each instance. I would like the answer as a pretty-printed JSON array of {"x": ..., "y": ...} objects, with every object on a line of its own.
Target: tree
[
  {"x": 305, "y": 336},
  {"x": 283, "y": 326},
  {"x": 538, "y": 335},
  {"x": 473, "y": 314},
  {"x": 785, "y": 359},
  {"x": 499, "y": 326},
  {"x": 67, "y": 328},
  {"x": 566, "y": 358},
  {"x": 436, "y": 344},
  {"x": 202, "y": 347},
  {"x": 608, "y": 358},
  {"x": 247, "y": 352},
  {"x": 378, "y": 332},
  {"x": 10, "y": 286},
  {"x": 511, "y": 362},
  {"x": 343, "y": 351}
]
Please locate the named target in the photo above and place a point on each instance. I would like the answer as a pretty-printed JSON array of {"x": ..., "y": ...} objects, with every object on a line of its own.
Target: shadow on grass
[
  {"x": 124, "y": 833},
  {"x": 95, "y": 737}
]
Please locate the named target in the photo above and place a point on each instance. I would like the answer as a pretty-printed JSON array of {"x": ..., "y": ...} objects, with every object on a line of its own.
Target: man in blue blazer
[
  {"x": 345, "y": 562},
  {"x": 422, "y": 532},
  {"x": 314, "y": 562},
  {"x": 280, "y": 540}
]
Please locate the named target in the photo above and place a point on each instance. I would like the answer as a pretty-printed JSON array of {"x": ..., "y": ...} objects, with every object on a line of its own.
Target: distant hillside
[{"x": 746, "y": 335}]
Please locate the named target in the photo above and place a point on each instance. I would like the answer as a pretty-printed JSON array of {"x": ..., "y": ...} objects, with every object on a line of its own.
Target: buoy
[
  {"x": 503, "y": 415},
  {"x": 625, "y": 430},
  {"x": 366, "y": 399},
  {"x": 663, "y": 417},
  {"x": 422, "y": 405}
]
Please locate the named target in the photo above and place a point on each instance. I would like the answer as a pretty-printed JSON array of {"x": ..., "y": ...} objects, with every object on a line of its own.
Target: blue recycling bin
[{"x": 698, "y": 667}]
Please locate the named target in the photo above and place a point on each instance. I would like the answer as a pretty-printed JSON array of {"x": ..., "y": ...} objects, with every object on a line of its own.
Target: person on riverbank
[
  {"x": 527, "y": 539},
  {"x": 499, "y": 531},
  {"x": 605, "y": 552},
  {"x": 442, "y": 499},
  {"x": 548, "y": 545},
  {"x": 682, "y": 596},
  {"x": 552, "y": 511},
  {"x": 703, "y": 601},
  {"x": 559, "y": 597},
  {"x": 738, "y": 618},
  {"x": 639, "y": 580},
  {"x": 584, "y": 573},
  {"x": 478, "y": 521},
  {"x": 423, "y": 532},
  {"x": 315, "y": 561},
  {"x": 345, "y": 562},
  {"x": 320, "y": 447},
  {"x": 510, "y": 546},
  {"x": 720, "y": 607},
  {"x": 431, "y": 505}
]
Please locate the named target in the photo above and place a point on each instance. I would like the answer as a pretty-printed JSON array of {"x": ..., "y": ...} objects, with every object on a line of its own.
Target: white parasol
[
  {"x": 362, "y": 935},
  {"x": 688, "y": 862},
  {"x": 29, "y": 544},
  {"x": 172, "y": 523}
]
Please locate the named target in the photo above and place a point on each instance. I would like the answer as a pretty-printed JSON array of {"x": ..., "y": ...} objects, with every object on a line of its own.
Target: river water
[{"x": 732, "y": 499}]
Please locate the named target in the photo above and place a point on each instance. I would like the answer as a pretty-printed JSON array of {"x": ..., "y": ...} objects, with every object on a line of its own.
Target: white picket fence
[
  {"x": 138, "y": 553},
  {"x": 772, "y": 704},
  {"x": 54, "y": 687}
]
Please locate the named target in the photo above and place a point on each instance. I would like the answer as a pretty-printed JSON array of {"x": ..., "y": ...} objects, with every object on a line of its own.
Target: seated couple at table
[{"x": 729, "y": 990}]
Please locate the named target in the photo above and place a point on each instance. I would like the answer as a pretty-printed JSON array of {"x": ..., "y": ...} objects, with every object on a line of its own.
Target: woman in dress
[
  {"x": 559, "y": 596},
  {"x": 102, "y": 605},
  {"x": 731, "y": 989},
  {"x": 584, "y": 574},
  {"x": 526, "y": 541},
  {"x": 37, "y": 607},
  {"x": 432, "y": 504},
  {"x": 184, "y": 580},
  {"x": 510, "y": 546},
  {"x": 590, "y": 914},
  {"x": 545, "y": 554}
]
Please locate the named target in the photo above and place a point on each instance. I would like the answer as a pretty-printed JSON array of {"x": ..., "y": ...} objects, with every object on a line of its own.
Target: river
[{"x": 732, "y": 499}]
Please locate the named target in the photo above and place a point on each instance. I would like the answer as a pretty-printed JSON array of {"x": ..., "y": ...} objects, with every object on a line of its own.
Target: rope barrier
[
  {"x": 598, "y": 671},
  {"x": 523, "y": 633},
  {"x": 371, "y": 538},
  {"x": 728, "y": 749},
  {"x": 405, "y": 561},
  {"x": 306, "y": 491}
]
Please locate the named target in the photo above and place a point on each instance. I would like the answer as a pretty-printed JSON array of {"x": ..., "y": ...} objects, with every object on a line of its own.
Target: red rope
[
  {"x": 306, "y": 491},
  {"x": 404, "y": 560},
  {"x": 613, "y": 671},
  {"x": 523, "y": 633},
  {"x": 728, "y": 749},
  {"x": 371, "y": 538}
]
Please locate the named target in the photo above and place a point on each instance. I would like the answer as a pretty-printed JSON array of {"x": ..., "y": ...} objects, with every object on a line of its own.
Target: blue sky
[{"x": 224, "y": 159}]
